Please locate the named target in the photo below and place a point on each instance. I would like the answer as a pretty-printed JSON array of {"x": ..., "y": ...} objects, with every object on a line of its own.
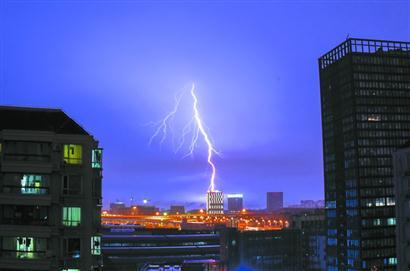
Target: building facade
[
  {"x": 130, "y": 248},
  {"x": 214, "y": 202},
  {"x": 274, "y": 201},
  {"x": 177, "y": 209},
  {"x": 312, "y": 225},
  {"x": 235, "y": 203},
  {"x": 271, "y": 250},
  {"x": 143, "y": 210},
  {"x": 401, "y": 166},
  {"x": 365, "y": 99},
  {"x": 118, "y": 207},
  {"x": 50, "y": 192}
]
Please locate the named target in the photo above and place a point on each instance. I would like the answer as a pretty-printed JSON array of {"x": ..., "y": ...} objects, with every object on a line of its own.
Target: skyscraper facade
[
  {"x": 365, "y": 99},
  {"x": 50, "y": 192},
  {"x": 274, "y": 201},
  {"x": 401, "y": 167},
  {"x": 215, "y": 202},
  {"x": 235, "y": 203}
]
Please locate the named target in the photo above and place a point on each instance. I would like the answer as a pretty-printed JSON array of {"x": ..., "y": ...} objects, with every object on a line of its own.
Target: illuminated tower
[{"x": 215, "y": 202}]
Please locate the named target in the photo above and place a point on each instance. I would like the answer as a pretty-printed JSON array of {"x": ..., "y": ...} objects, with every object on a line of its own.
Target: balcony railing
[
  {"x": 26, "y": 157},
  {"x": 9, "y": 253},
  {"x": 25, "y": 190},
  {"x": 29, "y": 221}
]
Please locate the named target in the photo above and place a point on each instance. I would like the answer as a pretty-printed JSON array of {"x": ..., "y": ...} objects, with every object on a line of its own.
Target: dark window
[
  {"x": 27, "y": 151},
  {"x": 24, "y": 215},
  {"x": 72, "y": 184},
  {"x": 72, "y": 247}
]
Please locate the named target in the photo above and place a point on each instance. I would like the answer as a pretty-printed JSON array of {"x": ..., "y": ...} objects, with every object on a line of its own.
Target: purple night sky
[{"x": 115, "y": 66}]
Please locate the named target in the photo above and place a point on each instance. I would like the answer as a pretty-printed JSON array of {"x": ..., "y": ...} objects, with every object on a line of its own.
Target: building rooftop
[
  {"x": 354, "y": 45},
  {"x": 38, "y": 119}
]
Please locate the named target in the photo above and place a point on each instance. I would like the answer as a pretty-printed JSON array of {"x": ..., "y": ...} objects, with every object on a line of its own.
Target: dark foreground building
[
  {"x": 271, "y": 250},
  {"x": 220, "y": 249},
  {"x": 365, "y": 97},
  {"x": 401, "y": 166},
  {"x": 132, "y": 248},
  {"x": 312, "y": 225},
  {"x": 50, "y": 192}
]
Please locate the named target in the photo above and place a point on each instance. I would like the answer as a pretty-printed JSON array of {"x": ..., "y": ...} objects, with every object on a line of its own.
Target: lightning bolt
[
  {"x": 163, "y": 125},
  {"x": 201, "y": 130},
  {"x": 195, "y": 126}
]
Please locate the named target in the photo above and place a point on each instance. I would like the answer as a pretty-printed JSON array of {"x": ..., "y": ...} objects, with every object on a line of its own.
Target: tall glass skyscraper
[{"x": 365, "y": 98}]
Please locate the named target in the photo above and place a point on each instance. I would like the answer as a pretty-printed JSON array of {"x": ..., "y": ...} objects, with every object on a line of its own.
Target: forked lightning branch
[{"x": 195, "y": 128}]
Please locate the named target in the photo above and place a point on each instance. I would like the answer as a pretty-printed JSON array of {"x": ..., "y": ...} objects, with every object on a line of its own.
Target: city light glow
[{"x": 243, "y": 221}]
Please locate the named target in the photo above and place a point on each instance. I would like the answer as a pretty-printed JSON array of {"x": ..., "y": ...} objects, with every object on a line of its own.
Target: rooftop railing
[{"x": 353, "y": 45}]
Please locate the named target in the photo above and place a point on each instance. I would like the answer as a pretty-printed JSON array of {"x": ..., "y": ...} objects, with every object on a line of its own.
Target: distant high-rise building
[
  {"x": 117, "y": 206},
  {"x": 50, "y": 192},
  {"x": 214, "y": 202},
  {"x": 401, "y": 167},
  {"x": 274, "y": 201},
  {"x": 365, "y": 98},
  {"x": 235, "y": 202},
  {"x": 177, "y": 209}
]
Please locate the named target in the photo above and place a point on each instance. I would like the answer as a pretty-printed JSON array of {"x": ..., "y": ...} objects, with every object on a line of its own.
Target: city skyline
[{"x": 260, "y": 70}]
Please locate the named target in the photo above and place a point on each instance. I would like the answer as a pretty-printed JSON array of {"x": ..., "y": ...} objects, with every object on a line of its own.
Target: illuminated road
[{"x": 242, "y": 221}]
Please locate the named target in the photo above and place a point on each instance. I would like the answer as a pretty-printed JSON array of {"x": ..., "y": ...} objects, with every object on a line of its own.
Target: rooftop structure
[{"x": 362, "y": 46}]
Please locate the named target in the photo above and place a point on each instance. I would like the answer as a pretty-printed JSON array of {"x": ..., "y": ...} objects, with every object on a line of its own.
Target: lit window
[
  {"x": 71, "y": 216},
  {"x": 32, "y": 184},
  {"x": 73, "y": 154},
  {"x": 391, "y": 221},
  {"x": 390, "y": 201},
  {"x": 25, "y": 247},
  {"x": 374, "y": 117},
  {"x": 96, "y": 245},
  {"x": 392, "y": 261},
  {"x": 96, "y": 161},
  {"x": 380, "y": 202}
]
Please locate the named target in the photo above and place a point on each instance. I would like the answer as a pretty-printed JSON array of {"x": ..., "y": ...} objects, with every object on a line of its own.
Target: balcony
[
  {"x": 28, "y": 195},
  {"x": 12, "y": 163},
  {"x": 19, "y": 220},
  {"x": 25, "y": 252},
  {"x": 32, "y": 230},
  {"x": 33, "y": 260}
]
